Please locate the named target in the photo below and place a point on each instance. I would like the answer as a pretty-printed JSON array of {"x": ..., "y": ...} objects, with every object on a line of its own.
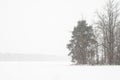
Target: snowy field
[{"x": 56, "y": 71}]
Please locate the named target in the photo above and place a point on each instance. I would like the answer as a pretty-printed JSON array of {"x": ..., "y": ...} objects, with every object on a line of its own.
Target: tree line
[{"x": 98, "y": 44}]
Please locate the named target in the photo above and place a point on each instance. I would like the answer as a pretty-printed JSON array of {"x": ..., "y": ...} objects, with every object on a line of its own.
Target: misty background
[{"x": 41, "y": 26}]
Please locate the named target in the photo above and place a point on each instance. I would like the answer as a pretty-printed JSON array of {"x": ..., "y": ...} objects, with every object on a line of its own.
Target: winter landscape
[{"x": 59, "y": 39}]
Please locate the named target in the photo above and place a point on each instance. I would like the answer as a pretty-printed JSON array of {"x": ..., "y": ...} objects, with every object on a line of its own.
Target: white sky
[{"x": 41, "y": 26}]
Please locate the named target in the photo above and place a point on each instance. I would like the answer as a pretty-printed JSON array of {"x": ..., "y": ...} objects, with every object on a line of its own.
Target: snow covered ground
[{"x": 28, "y": 70}]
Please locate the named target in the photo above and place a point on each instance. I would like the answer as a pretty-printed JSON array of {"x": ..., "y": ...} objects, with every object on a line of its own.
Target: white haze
[{"x": 41, "y": 26}]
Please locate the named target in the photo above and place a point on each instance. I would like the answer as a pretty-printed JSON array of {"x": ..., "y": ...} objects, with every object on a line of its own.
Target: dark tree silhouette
[{"x": 83, "y": 46}]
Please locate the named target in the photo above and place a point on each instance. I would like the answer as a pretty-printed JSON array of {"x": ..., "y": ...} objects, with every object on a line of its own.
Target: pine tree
[{"x": 82, "y": 46}]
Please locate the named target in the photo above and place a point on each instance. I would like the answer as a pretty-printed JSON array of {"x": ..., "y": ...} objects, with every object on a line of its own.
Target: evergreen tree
[{"x": 82, "y": 46}]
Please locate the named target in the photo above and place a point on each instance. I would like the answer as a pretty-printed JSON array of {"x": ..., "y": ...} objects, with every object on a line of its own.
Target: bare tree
[{"x": 108, "y": 23}]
